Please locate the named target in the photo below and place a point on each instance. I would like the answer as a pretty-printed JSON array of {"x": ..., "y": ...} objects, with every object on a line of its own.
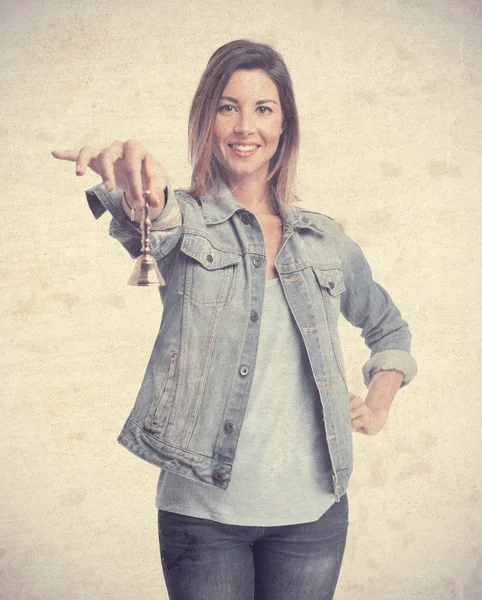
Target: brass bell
[{"x": 146, "y": 272}]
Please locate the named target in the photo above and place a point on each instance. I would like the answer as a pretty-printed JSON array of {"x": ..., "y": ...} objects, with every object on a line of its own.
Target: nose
[{"x": 244, "y": 124}]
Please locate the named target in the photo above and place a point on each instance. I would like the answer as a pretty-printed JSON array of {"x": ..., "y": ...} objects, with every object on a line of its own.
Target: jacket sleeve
[
  {"x": 366, "y": 304},
  {"x": 166, "y": 228}
]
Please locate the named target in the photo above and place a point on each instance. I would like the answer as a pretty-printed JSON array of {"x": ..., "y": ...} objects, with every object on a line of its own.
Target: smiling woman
[
  {"x": 244, "y": 404},
  {"x": 247, "y": 131},
  {"x": 245, "y": 97}
]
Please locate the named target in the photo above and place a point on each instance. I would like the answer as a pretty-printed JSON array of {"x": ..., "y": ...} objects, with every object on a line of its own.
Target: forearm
[
  {"x": 366, "y": 304},
  {"x": 383, "y": 387}
]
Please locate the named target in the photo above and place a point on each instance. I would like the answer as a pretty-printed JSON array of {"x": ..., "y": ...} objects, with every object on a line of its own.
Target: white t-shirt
[{"x": 281, "y": 473}]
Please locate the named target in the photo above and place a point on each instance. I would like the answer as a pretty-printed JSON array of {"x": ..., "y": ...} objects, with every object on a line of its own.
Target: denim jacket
[{"x": 190, "y": 407}]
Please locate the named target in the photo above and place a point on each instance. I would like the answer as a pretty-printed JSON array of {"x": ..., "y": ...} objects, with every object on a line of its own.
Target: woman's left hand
[{"x": 365, "y": 419}]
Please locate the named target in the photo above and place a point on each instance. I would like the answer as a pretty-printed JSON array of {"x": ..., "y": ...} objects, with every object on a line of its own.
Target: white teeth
[{"x": 243, "y": 148}]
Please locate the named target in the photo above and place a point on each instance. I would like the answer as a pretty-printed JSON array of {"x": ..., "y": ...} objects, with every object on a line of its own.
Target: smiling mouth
[{"x": 243, "y": 149}]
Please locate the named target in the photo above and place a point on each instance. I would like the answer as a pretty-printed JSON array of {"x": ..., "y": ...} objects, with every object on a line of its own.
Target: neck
[{"x": 252, "y": 193}]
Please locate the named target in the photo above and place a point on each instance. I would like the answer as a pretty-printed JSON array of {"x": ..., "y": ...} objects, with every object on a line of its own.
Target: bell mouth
[{"x": 146, "y": 272}]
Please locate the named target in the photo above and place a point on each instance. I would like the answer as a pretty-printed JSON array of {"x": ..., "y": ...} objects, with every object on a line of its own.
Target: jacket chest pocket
[
  {"x": 210, "y": 273},
  {"x": 332, "y": 285}
]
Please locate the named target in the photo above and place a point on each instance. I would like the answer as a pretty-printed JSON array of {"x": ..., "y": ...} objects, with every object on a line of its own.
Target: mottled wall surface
[{"x": 390, "y": 98}]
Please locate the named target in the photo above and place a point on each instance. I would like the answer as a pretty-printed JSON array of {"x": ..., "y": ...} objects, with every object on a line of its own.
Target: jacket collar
[{"x": 223, "y": 206}]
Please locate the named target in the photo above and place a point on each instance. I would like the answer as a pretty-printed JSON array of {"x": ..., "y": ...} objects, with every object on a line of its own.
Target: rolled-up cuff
[
  {"x": 166, "y": 228},
  {"x": 170, "y": 216},
  {"x": 100, "y": 200},
  {"x": 391, "y": 360}
]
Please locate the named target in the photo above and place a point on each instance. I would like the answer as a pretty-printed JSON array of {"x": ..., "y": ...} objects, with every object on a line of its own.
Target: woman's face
[{"x": 248, "y": 126}]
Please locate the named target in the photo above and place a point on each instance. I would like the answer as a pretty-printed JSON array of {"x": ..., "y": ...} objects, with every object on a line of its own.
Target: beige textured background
[{"x": 390, "y": 99}]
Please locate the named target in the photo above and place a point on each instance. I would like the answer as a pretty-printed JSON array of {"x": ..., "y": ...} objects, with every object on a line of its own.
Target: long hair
[{"x": 242, "y": 54}]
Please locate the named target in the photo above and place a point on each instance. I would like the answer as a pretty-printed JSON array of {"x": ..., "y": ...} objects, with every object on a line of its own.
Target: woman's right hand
[{"x": 126, "y": 165}]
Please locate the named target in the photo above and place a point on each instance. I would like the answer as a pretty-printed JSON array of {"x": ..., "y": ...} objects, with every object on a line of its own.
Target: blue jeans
[{"x": 206, "y": 560}]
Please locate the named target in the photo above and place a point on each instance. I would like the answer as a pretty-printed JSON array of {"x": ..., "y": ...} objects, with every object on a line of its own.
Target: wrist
[
  {"x": 381, "y": 413},
  {"x": 132, "y": 211},
  {"x": 129, "y": 208}
]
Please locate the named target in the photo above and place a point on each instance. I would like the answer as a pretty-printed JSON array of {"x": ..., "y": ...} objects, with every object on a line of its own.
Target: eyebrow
[{"x": 234, "y": 101}]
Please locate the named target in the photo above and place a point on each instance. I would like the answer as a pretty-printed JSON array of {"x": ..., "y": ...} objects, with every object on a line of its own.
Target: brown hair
[{"x": 242, "y": 54}]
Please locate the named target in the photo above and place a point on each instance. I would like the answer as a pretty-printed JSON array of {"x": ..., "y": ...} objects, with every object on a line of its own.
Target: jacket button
[
  {"x": 217, "y": 476},
  {"x": 331, "y": 284},
  {"x": 210, "y": 257},
  {"x": 254, "y": 315},
  {"x": 244, "y": 370},
  {"x": 228, "y": 426},
  {"x": 256, "y": 261},
  {"x": 245, "y": 219}
]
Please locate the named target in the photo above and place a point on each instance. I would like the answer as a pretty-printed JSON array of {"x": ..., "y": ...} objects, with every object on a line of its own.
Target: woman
[{"x": 247, "y": 362}]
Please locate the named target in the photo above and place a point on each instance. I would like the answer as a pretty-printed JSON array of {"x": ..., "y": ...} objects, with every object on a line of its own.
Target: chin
[{"x": 245, "y": 170}]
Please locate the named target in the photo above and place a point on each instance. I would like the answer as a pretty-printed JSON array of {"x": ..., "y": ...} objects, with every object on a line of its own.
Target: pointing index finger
[{"x": 65, "y": 155}]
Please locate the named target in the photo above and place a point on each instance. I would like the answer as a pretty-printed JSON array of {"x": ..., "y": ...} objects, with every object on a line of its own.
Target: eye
[
  {"x": 264, "y": 110},
  {"x": 226, "y": 108}
]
